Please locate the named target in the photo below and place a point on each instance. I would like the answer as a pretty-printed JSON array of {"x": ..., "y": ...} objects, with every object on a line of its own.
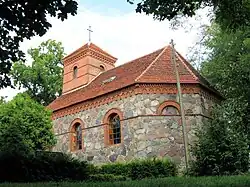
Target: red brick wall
[{"x": 87, "y": 69}]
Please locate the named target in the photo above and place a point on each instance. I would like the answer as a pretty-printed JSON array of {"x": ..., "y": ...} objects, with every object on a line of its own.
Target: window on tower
[
  {"x": 102, "y": 68},
  {"x": 75, "y": 72}
]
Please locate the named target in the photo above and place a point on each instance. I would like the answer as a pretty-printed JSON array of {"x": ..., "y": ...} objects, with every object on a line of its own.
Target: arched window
[
  {"x": 75, "y": 72},
  {"x": 76, "y": 139},
  {"x": 169, "y": 108},
  {"x": 114, "y": 129},
  {"x": 102, "y": 68}
]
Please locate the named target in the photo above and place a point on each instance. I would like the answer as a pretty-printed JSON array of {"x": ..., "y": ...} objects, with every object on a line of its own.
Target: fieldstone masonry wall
[{"x": 144, "y": 134}]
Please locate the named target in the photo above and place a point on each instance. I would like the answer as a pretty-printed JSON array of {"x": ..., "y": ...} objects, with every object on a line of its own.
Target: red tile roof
[
  {"x": 89, "y": 46},
  {"x": 155, "y": 67}
]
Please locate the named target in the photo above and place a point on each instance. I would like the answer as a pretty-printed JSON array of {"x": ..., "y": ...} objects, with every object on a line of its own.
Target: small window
[
  {"x": 114, "y": 129},
  {"x": 75, "y": 72},
  {"x": 170, "y": 110},
  {"x": 102, "y": 68},
  {"x": 76, "y": 137}
]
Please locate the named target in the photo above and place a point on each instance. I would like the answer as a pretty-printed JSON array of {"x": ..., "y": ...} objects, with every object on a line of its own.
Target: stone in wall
[{"x": 144, "y": 133}]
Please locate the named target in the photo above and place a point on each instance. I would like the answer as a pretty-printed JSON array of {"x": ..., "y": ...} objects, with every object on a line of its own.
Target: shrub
[
  {"x": 152, "y": 168},
  {"x": 115, "y": 169},
  {"x": 139, "y": 169},
  {"x": 222, "y": 147},
  {"x": 41, "y": 166}
]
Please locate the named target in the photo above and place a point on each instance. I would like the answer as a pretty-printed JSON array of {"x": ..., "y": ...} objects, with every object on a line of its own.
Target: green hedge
[
  {"x": 140, "y": 169},
  {"x": 41, "y": 166},
  {"x": 49, "y": 166}
]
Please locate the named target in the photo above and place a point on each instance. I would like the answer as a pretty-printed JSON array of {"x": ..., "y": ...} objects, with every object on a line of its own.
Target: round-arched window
[
  {"x": 114, "y": 129},
  {"x": 75, "y": 70},
  {"x": 102, "y": 68},
  {"x": 76, "y": 140},
  {"x": 170, "y": 110}
]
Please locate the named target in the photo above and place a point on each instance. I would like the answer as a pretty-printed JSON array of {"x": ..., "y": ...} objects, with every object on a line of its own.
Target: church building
[{"x": 108, "y": 113}]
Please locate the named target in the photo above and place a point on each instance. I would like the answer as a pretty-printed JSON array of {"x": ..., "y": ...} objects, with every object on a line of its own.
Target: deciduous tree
[
  {"x": 43, "y": 79},
  {"x": 223, "y": 144},
  {"x": 230, "y": 14},
  {"x": 25, "y": 125},
  {"x": 22, "y": 19}
]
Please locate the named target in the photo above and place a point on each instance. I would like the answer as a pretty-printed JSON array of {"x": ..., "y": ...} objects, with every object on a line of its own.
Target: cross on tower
[{"x": 89, "y": 29}]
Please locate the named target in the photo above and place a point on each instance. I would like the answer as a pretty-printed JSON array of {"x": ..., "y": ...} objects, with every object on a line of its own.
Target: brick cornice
[
  {"x": 124, "y": 93},
  {"x": 89, "y": 52}
]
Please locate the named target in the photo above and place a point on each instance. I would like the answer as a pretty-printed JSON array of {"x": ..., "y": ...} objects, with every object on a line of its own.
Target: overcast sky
[{"x": 118, "y": 30}]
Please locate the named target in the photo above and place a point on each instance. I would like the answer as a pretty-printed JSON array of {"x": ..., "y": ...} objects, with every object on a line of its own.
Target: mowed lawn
[{"x": 225, "y": 181}]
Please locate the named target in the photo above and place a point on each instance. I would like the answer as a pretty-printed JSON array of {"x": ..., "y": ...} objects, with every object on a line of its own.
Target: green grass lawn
[{"x": 230, "y": 181}]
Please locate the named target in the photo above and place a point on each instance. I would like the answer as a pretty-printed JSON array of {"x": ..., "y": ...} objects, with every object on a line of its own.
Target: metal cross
[{"x": 89, "y": 29}]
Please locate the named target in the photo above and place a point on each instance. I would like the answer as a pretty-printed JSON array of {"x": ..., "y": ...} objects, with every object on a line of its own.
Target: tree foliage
[
  {"x": 2, "y": 100},
  {"x": 25, "y": 125},
  {"x": 228, "y": 62},
  {"x": 224, "y": 142},
  {"x": 21, "y": 20},
  {"x": 222, "y": 146},
  {"x": 228, "y": 68},
  {"x": 43, "y": 79},
  {"x": 230, "y": 14}
]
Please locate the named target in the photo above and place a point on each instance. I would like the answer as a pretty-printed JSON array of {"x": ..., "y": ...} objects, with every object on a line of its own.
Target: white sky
[{"x": 123, "y": 35}]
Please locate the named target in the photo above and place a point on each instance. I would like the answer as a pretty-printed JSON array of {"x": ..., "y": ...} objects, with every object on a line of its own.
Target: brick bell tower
[{"x": 83, "y": 65}]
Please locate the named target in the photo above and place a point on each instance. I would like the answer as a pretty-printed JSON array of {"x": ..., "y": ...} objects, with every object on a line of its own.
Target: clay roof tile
[{"x": 155, "y": 67}]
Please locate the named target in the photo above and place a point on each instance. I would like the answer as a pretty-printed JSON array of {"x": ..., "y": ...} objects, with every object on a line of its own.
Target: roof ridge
[
  {"x": 75, "y": 52},
  {"x": 199, "y": 76},
  {"x": 156, "y": 58},
  {"x": 131, "y": 61},
  {"x": 98, "y": 49},
  {"x": 90, "y": 46},
  {"x": 184, "y": 63}
]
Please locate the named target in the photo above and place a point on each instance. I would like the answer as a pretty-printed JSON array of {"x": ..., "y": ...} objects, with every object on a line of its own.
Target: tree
[
  {"x": 2, "y": 100},
  {"x": 224, "y": 142},
  {"x": 25, "y": 125},
  {"x": 228, "y": 68},
  {"x": 230, "y": 14},
  {"x": 21, "y": 20},
  {"x": 228, "y": 63},
  {"x": 222, "y": 147},
  {"x": 43, "y": 79}
]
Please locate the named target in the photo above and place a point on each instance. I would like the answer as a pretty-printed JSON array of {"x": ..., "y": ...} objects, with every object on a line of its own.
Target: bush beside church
[{"x": 51, "y": 166}]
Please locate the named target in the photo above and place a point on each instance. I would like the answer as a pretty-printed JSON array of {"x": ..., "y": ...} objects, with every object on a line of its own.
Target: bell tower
[{"x": 83, "y": 65}]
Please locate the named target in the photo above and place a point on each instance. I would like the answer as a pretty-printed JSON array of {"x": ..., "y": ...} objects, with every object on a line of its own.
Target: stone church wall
[{"x": 144, "y": 133}]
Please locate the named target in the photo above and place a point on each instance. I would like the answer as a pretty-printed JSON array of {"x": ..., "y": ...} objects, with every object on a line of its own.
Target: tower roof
[
  {"x": 90, "y": 49},
  {"x": 155, "y": 67}
]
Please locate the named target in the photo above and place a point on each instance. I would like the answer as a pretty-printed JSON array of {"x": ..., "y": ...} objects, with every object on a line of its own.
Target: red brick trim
[
  {"x": 106, "y": 125},
  {"x": 73, "y": 123},
  {"x": 168, "y": 103},
  {"x": 124, "y": 93},
  {"x": 88, "y": 52}
]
